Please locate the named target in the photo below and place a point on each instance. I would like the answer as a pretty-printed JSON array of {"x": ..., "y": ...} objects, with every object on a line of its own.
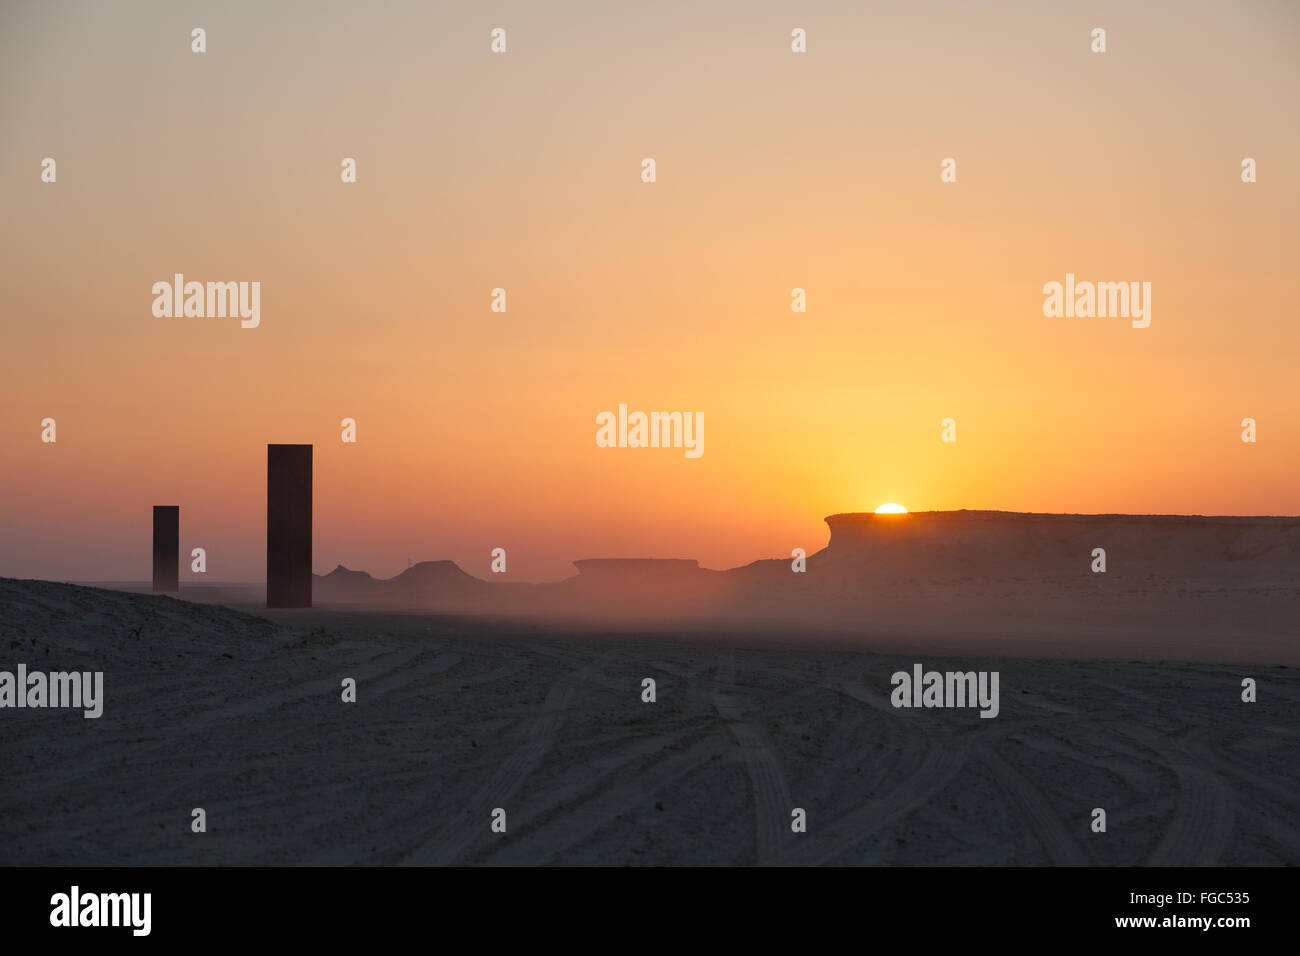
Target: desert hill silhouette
[
  {"x": 990, "y": 572},
  {"x": 423, "y": 582}
]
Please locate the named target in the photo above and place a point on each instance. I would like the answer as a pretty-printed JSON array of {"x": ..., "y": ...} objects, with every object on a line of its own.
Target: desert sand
[{"x": 241, "y": 714}]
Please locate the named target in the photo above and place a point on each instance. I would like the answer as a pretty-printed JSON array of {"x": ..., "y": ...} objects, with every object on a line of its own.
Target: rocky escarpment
[{"x": 1166, "y": 549}]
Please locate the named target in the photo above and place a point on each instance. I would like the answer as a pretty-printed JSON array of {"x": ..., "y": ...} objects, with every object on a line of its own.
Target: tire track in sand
[
  {"x": 1044, "y": 822},
  {"x": 509, "y": 776},
  {"x": 772, "y": 803},
  {"x": 650, "y": 765},
  {"x": 941, "y": 763},
  {"x": 1203, "y": 818}
]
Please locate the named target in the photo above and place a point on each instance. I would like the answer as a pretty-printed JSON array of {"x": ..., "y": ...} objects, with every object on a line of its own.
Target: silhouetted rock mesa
[
  {"x": 635, "y": 567},
  {"x": 1207, "y": 580},
  {"x": 1058, "y": 548},
  {"x": 342, "y": 583},
  {"x": 438, "y": 584}
]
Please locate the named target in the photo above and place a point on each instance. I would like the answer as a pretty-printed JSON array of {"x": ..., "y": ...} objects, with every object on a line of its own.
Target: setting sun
[{"x": 891, "y": 509}]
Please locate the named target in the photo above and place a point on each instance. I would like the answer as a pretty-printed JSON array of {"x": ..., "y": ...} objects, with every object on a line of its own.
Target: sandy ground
[{"x": 241, "y": 715}]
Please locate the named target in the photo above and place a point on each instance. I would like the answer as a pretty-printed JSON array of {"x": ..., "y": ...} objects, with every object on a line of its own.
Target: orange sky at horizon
[{"x": 775, "y": 171}]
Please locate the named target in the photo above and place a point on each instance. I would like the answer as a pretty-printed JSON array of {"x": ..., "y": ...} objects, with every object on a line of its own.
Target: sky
[{"x": 523, "y": 171}]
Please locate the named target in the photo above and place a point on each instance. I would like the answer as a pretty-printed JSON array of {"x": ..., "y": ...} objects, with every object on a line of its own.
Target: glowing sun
[{"x": 891, "y": 509}]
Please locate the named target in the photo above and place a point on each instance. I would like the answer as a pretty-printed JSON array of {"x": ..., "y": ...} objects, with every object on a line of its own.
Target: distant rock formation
[
  {"x": 641, "y": 567},
  {"x": 957, "y": 572},
  {"x": 1053, "y": 548},
  {"x": 342, "y": 582},
  {"x": 426, "y": 584}
]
